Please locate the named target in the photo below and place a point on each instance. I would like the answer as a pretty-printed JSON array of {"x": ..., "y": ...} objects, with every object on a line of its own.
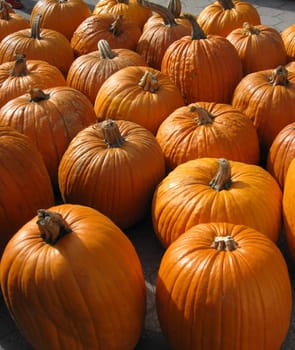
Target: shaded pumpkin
[
  {"x": 223, "y": 16},
  {"x": 17, "y": 76},
  {"x": 288, "y": 37},
  {"x": 207, "y": 129},
  {"x": 251, "y": 40},
  {"x": 50, "y": 118},
  {"x": 225, "y": 286},
  {"x": 139, "y": 94},
  {"x": 89, "y": 71},
  {"x": 38, "y": 44},
  {"x": 73, "y": 260},
  {"x": 118, "y": 31},
  {"x": 216, "y": 190},
  {"x": 204, "y": 68},
  {"x": 64, "y": 16},
  {"x": 24, "y": 183},
  {"x": 114, "y": 167}
]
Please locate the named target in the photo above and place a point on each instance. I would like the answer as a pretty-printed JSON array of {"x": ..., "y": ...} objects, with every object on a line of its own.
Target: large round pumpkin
[
  {"x": 113, "y": 167},
  {"x": 82, "y": 285},
  {"x": 216, "y": 190},
  {"x": 223, "y": 287},
  {"x": 24, "y": 182}
]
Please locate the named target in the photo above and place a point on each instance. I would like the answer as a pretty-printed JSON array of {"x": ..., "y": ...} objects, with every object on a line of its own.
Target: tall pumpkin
[
  {"x": 71, "y": 260},
  {"x": 113, "y": 167},
  {"x": 24, "y": 182},
  {"x": 222, "y": 286},
  {"x": 204, "y": 67},
  {"x": 216, "y": 190}
]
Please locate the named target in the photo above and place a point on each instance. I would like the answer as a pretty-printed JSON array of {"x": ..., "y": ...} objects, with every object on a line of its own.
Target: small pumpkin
[
  {"x": 216, "y": 190},
  {"x": 71, "y": 260},
  {"x": 223, "y": 286},
  {"x": 288, "y": 37},
  {"x": 114, "y": 167}
]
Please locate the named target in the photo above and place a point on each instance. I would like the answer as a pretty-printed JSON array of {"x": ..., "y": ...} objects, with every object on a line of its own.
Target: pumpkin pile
[{"x": 136, "y": 116}]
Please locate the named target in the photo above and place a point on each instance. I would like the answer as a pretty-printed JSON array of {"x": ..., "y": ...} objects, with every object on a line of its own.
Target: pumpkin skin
[
  {"x": 50, "y": 118},
  {"x": 222, "y": 17},
  {"x": 251, "y": 40},
  {"x": 225, "y": 286},
  {"x": 113, "y": 167},
  {"x": 89, "y": 71},
  {"x": 216, "y": 190},
  {"x": 268, "y": 98},
  {"x": 18, "y": 76},
  {"x": 288, "y": 37},
  {"x": 24, "y": 184},
  {"x": 207, "y": 129},
  {"x": 204, "y": 68},
  {"x": 78, "y": 275},
  {"x": 281, "y": 153},
  {"x": 64, "y": 16},
  {"x": 139, "y": 94}
]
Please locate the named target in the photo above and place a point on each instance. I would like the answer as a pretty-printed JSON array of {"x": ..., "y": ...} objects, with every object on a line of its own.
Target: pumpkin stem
[
  {"x": 174, "y": 6},
  {"x": 224, "y": 243},
  {"x": 226, "y": 4},
  {"x": 20, "y": 66},
  {"x": 202, "y": 117},
  {"x": 116, "y": 27},
  {"x": 164, "y": 12},
  {"x": 37, "y": 95},
  {"x": 111, "y": 133},
  {"x": 279, "y": 76},
  {"x": 249, "y": 29},
  {"x": 222, "y": 180},
  {"x": 35, "y": 29},
  {"x": 149, "y": 82},
  {"x": 5, "y": 9},
  {"x": 105, "y": 50},
  {"x": 52, "y": 226},
  {"x": 197, "y": 31}
]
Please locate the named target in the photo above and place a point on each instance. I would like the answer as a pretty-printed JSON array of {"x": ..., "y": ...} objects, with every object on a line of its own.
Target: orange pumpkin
[
  {"x": 24, "y": 183},
  {"x": 224, "y": 286},
  {"x": 288, "y": 37},
  {"x": 71, "y": 260},
  {"x": 50, "y": 118},
  {"x": 223, "y": 16},
  {"x": 216, "y": 190},
  {"x": 207, "y": 129},
  {"x": 89, "y": 71},
  {"x": 113, "y": 167}
]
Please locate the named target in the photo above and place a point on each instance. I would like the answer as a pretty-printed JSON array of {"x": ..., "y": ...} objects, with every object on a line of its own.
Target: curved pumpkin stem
[
  {"x": 279, "y": 76},
  {"x": 197, "y": 31},
  {"x": 116, "y": 27},
  {"x": 175, "y": 7},
  {"x": 224, "y": 243},
  {"x": 38, "y": 95},
  {"x": 203, "y": 117},
  {"x": 104, "y": 49},
  {"x": 111, "y": 133},
  {"x": 35, "y": 29},
  {"x": 20, "y": 66},
  {"x": 222, "y": 180},
  {"x": 226, "y": 4},
  {"x": 149, "y": 82},
  {"x": 52, "y": 226},
  {"x": 164, "y": 12},
  {"x": 249, "y": 29}
]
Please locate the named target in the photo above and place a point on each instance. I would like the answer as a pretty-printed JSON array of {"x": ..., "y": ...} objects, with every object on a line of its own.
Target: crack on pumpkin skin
[
  {"x": 224, "y": 243},
  {"x": 52, "y": 226},
  {"x": 222, "y": 180}
]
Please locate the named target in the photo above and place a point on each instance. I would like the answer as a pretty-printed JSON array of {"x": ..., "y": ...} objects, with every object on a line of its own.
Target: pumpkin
[
  {"x": 290, "y": 66},
  {"x": 50, "y": 118},
  {"x": 289, "y": 208},
  {"x": 223, "y": 286},
  {"x": 251, "y": 40},
  {"x": 118, "y": 31},
  {"x": 71, "y": 260},
  {"x": 216, "y": 190},
  {"x": 63, "y": 16},
  {"x": 288, "y": 37},
  {"x": 89, "y": 71},
  {"x": 267, "y": 97},
  {"x": 204, "y": 68},
  {"x": 114, "y": 167},
  {"x": 133, "y": 10},
  {"x": 207, "y": 129},
  {"x": 24, "y": 183},
  {"x": 139, "y": 94},
  {"x": 17, "y": 76},
  {"x": 223, "y": 16},
  {"x": 39, "y": 44},
  {"x": 156, "y": 37},
  {"x": 10, "y": 21}
]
